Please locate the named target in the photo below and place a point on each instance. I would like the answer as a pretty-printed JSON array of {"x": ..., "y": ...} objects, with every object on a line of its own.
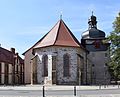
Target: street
[{"x": 39, "y": 93}]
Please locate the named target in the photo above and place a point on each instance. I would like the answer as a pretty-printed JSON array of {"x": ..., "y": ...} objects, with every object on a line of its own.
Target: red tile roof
[
  {"x": 8, "y": 56},
  {"x": 59, "y": 35}
]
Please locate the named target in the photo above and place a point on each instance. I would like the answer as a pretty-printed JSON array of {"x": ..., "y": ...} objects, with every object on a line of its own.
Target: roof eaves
[
  {"x": 39, "y": 40},
  {"x": 6, "y": 50},
  {"x": 35, "y": 44}
]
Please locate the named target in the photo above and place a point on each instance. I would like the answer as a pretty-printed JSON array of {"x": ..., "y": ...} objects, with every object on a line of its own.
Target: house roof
[
  {"x": 8, "y": 56},
  {"x": 59, "y": 35}
]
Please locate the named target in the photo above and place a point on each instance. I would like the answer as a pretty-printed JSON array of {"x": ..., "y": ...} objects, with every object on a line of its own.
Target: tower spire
[{"x": 92, "y": 21}]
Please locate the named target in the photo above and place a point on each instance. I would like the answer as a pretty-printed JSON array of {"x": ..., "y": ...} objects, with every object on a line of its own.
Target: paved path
[
  {"x": 56, "y": 87},
  {"x": 60, "y": 91}
]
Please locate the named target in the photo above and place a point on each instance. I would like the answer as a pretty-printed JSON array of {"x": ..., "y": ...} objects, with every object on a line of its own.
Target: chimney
[
  {"x": 12, "y": 50},
  {"x": 17, "y": 54}
]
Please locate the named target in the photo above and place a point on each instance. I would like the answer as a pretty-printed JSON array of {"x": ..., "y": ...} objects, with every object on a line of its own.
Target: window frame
[
  {"x": 45, "y": 65},
  {"x": 66, "y": 65}
]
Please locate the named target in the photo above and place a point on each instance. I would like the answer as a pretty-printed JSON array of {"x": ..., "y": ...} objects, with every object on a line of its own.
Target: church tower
[{"x": 92, "y": 40}]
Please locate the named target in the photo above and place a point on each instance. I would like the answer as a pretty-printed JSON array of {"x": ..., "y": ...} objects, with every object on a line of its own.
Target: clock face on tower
[{"x": 97, "y": 44}]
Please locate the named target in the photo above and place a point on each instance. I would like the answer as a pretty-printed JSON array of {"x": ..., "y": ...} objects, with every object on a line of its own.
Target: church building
[
  {"x": 59, "y": 58},
  {"x": 56, "y": 57}
]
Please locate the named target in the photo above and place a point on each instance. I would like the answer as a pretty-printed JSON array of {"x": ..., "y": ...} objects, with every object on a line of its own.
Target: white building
[{"x": 11, "y": 67}]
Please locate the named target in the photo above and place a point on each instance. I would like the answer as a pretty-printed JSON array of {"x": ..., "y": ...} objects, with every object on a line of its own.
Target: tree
[{"x": 114, "y": 38}]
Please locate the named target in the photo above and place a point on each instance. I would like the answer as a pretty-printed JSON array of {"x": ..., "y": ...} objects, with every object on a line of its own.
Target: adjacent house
[{"x": 11, "y": 67}]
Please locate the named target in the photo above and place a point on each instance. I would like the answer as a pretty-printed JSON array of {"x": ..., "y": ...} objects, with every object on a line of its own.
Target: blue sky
[{"x": 24, "y": 22}]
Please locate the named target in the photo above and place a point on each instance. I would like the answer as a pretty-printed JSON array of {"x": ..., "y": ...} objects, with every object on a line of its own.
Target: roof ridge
[{"x": 58, "y": 30}]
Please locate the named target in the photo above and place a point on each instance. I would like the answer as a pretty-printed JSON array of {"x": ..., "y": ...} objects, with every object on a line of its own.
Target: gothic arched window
[
  {"x": 45, "y": 65},
  {"x": 66, "y": 64}
]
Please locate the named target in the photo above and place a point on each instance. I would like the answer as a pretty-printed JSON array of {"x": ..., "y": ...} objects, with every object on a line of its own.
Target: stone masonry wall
[
  {"x": 100, "y": 74},
  {"x": 58, "y": 52}
]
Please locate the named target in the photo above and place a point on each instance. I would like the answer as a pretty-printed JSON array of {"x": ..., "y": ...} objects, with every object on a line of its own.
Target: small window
[
  {"x": 93, "y": 55},
  {"x": 0, "y": 72},
  {"x": 6, "y": 76},
  {"x": 105, "y": 54},
  {"x": 106, "y": 64}
]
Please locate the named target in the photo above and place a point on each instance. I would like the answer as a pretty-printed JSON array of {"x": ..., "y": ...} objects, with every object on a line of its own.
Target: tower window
[
  {"x": 93, "y": 55},
  {"x": 97, "y": 44},
  {"x": 6, "y": 73},
  {"x": 45, "y": 65},
  {"x": 0, "y": 72},
  {"x": 105, "y": 54},
  {"x": 66, "y": 64},
  {"x": 106, "y": 64}
]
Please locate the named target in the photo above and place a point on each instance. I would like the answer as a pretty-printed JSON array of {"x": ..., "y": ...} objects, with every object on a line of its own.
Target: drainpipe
[
  {"x": 31, "y": 72},
  {"x": 86, "y": 68}
]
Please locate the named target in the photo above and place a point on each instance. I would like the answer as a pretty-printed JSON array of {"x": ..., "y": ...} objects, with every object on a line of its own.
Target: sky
[{"x": 24, "y": 22}]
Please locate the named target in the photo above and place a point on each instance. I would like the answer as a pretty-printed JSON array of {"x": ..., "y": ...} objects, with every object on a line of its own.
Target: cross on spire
[
  {"x": 61, "y": 15},
  {"x": 92, "y": 13}
]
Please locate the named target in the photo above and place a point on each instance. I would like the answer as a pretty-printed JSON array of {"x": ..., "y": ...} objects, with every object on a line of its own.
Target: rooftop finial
[
  {"x": 92, "y": 13},
  {"x": 61, "y": 15},
  {"x": 92, "y": 21}
]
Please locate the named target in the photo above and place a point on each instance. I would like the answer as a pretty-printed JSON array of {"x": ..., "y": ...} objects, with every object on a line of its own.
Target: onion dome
[{"x": 93, "y": 32}]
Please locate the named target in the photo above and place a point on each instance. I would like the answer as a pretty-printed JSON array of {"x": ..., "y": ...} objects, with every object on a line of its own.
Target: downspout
[{"x": 86, "y": 68}]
